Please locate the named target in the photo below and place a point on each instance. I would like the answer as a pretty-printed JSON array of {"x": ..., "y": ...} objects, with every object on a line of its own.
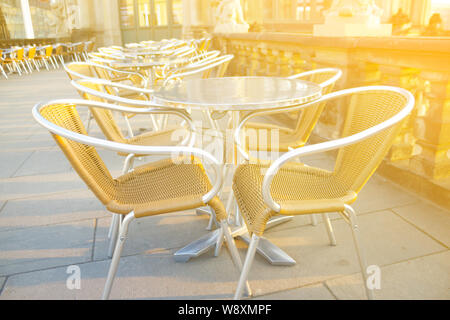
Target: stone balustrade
[{"x": 421, "y": 65}]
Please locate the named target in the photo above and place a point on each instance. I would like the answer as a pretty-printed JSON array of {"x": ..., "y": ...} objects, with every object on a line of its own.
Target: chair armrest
[
  {"x": 336, "y": 77},
  {"x": 131, "y": 149},
  {"x": 150, "y": 109}
]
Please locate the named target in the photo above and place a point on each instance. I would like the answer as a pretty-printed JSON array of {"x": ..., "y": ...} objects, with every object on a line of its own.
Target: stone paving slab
[
  {"x": 37, "y": 248},
  {"x": 423, "y": 279},
  {"x": 163, "y": 233},
  {"x": 138, "y": 277},
  {"x": 386, "y": 238},
  {"x": 39, "y": 185},
  {"x": 44, "y": 162},
  {"x": 430, "y": 218},
  {"x": 50, "y": 220},
  {"x": 312, "y": 292},
  {"x": 10, "y": 162},
  {"x": 50, "y": 209}
]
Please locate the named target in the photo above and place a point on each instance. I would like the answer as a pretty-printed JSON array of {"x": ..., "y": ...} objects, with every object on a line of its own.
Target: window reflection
[
  {"x": 144, "y": 13},
  {"x": 177, "y": 11},
  {"x": 127, "y": 13},
  {"x": 161, "y": 12}
]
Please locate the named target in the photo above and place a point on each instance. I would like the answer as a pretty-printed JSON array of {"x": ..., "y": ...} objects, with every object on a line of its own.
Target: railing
[{"x": 420, "y": 65}]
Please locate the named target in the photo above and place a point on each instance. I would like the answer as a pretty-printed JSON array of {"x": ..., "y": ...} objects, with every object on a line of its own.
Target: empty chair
[
  {"x": 29, "y": 58},
  {"x": 16, "y": 60},
  {"x": 294, "y": 128},
  {"x": 1, "y": 65},
  {"x": 82, "y": 70},
  {"x": 373, "y": 119},
  {"x": 169, "y": 185},
  {"x": 45, "y": 56},
  {"x": 85, "y": 70},
  {"x": 215, "y": 67}
]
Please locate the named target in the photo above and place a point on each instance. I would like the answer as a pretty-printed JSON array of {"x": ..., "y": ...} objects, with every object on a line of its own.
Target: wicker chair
[
  {"x": 169, "y": 185},
  {"x": 294, "y": 128},
  {"x": 104, "y": 91},
  {"x": 89, "y": 70},
  {"x": 374, "y": 117}
]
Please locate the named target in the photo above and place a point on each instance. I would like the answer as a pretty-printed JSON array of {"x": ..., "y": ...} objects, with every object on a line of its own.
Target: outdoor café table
[{"x": 235, "y": 95}]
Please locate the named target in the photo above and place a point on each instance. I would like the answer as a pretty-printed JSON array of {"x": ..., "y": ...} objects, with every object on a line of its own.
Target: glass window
[
  {"x": 127, "y": 13},
  {"x": 177, "y": 11},
  {"x": 161, "y": 12},
  {"x": 268, "y": 10},
  {"x": 144, "y": 13}
]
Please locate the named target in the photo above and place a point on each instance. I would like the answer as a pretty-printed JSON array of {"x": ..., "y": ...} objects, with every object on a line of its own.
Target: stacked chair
[{"x": 261, "y": 189}]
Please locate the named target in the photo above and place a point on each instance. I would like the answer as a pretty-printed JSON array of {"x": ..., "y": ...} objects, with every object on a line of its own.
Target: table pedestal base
[{"x": 268, "y": 250}]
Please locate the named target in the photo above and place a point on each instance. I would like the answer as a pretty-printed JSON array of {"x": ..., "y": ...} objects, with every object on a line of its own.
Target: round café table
[{"x": 235, "y": 95}]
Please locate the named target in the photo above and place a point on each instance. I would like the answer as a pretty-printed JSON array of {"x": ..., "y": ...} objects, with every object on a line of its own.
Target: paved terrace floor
[{"x": 49, "y": 220}]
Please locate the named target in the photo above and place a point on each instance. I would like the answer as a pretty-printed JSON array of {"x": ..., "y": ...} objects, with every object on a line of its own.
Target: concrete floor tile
[
  {"x": 163, "y": 233},
  {"x": 425, "y": 278},
  {"x": 44, "y": 162},
  {"x": 50, "y": 209},
  {"x": 10, "y": 162},
  {"x": 380, "y": 194},
  {"x": 386, "y": 238},
  {"x": 312, "y": 292},
  {"x": 138, "y": 277},
  {"x": 39, "y": 185},
  {"x": 432, "y": 219},
  {"x": 44, "y": 247}
]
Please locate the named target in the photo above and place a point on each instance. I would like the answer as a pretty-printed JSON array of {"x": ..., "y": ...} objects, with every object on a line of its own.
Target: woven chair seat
[
  {"x": 159, "y": 187},
  {"x": 299, "y": 189}
]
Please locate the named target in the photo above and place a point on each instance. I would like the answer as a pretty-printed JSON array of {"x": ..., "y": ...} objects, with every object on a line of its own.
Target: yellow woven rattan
[
  {"x": 294, "y": 128},
  {"x": 300, "y": 189},
  {"x": 154, "y": 188},
  {"x": 107, "y": 123}
]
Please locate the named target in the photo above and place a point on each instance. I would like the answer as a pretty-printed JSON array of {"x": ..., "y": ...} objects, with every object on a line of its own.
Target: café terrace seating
[{"x": 147, "y": 149}]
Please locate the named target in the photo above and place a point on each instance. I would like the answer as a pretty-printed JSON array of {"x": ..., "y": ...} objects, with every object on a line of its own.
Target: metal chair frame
[
  {"x": 349, "y": 214},
  {"x": 133, "y": 149}
]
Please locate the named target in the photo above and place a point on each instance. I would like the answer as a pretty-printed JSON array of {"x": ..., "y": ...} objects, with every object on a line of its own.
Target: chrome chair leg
[
  {"x": 36, "y": 65},
  {"x": 246, "y": 268},
  {"x": 17, "y": 68},
  {"x": 117, "y": 253},
  {"x": 313, "y": 219},
  {"x": 3, "y": 72},
  {"x": 329, "y": 227},
  {"x": 53, "y": 63},
  {"x": 128, "y": 163},
  {"x": 46, "y": 64},
  {"x": 359, "y": 250},
  {"x": 234, "y": 252},
  {"x": 114, "y": 230}
]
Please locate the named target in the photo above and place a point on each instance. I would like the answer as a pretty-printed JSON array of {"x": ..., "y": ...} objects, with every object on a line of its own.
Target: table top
[{"x": 238, "y": 93}]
